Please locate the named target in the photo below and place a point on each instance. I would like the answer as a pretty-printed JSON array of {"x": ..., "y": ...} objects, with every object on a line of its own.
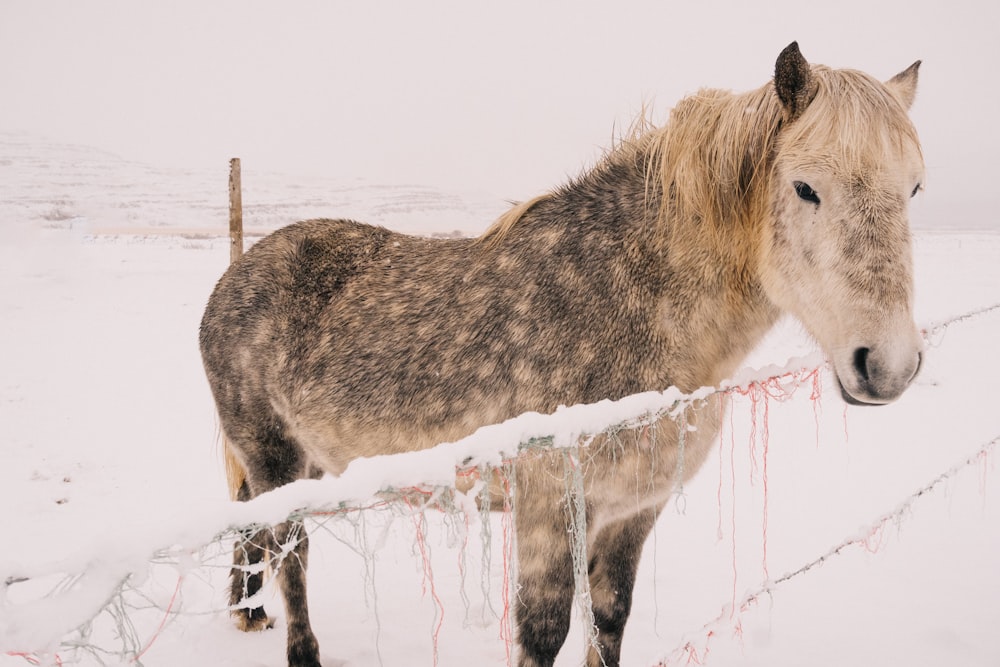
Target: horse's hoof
[
  {"x": 304, "y": 652},
  {"x": 252, "y": 620}
]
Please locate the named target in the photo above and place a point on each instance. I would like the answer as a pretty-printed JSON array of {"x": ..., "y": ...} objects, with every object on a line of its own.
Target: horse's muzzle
[{"x": 875, "y": 380}]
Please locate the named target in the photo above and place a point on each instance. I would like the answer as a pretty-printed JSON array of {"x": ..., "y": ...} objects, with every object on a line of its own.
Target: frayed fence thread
[{"x": 871, "y": 540}]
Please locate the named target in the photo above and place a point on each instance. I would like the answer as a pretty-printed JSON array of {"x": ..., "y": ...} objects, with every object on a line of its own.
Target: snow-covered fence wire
[{"x": 111, "y": 607}]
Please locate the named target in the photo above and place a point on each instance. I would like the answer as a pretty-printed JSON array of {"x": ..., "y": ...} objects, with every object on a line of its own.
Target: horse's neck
[
  {"x": 700, "y": 288},
  {"x": 715, "y": 300}
]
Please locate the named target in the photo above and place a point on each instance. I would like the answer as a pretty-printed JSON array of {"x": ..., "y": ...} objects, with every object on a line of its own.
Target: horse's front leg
[
  {"x": 614, "y": 559},
  {"x": 544, "y": 597}
]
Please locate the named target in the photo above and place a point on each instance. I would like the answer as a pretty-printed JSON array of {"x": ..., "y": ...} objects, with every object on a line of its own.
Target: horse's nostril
[{"x": 861, "y": 362}]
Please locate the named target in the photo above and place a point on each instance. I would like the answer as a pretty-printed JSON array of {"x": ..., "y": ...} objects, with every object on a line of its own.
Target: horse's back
[
  {"x": 361, "y": 341},
  {"x": 332, "y": 331}
]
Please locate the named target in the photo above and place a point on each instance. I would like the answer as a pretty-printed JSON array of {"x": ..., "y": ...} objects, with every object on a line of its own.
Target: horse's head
[{"x": 838, "y": 253}]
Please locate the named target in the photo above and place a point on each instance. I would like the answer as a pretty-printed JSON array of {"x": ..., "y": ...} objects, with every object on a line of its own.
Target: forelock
[{"x": 854, "y": 123}]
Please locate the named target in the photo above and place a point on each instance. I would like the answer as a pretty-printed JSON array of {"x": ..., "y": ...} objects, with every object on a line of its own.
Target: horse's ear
[
  {"x": 904, "y": 84},
  {"x": 794, "y": 81}
]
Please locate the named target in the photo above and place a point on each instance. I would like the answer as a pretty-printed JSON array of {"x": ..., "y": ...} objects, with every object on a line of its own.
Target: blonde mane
[
  {"x": 502, "y": 225},
  {"x": 711, "y": 157},
  {"x": 711, "y": 162}
]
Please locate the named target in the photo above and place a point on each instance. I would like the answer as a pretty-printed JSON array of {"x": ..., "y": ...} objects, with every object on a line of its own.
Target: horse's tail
[{"x": 236, "y": 474}]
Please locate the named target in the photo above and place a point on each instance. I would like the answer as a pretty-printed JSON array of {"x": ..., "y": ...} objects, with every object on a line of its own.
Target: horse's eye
[
  {"x": 916, "y": 189},
  {"x": 805, "y": 192}
]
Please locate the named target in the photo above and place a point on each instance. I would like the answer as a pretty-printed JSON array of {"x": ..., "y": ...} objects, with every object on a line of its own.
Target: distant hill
[{"x": 63, "y": 185}]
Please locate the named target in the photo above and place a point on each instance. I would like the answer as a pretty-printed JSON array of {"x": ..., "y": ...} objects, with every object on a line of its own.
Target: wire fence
[
  {"x": 694, "y": 651},
  {"x": 125, "y": 610}
]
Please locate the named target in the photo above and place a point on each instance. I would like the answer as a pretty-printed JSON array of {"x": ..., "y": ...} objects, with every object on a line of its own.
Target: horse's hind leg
[
  {"x": 303, "y": 649},
  {"x": 247, "y": 576},
  {"x": 614, "y": 560},
  {"x": 290, "y": 540},
  {"x": 275, "y": 460}
]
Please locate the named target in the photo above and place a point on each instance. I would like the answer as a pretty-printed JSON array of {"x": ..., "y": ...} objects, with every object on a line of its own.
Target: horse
[{"x": 661, "y": 266}]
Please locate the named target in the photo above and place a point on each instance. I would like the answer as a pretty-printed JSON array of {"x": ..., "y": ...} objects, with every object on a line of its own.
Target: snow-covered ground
[{"x": 110, "y": 453}]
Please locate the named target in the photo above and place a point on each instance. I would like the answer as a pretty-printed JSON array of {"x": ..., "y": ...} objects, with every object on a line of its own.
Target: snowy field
[
  {"x": 816, "y": 534},
  {"x": 111, "y": 464}
]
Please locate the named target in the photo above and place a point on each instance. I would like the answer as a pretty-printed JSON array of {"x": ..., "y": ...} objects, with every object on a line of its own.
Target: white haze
[{"x": 507, "y": 99}]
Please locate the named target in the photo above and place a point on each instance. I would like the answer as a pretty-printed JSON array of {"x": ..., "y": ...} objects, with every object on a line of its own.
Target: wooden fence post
[{"x": 235, "y": 211}]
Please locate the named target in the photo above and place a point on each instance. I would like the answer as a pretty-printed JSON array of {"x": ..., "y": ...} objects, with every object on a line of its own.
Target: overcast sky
[{"x": 507, "y": 98}]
